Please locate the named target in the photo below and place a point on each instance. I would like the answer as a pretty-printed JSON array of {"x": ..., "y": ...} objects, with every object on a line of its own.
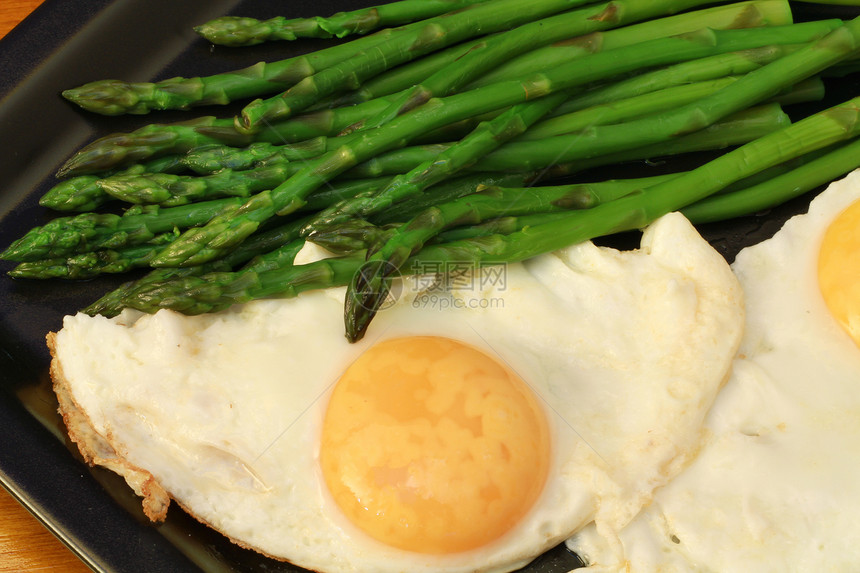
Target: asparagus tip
[
  {"x": 107, "y": 97},
  {"x": 367, "y": 293}
]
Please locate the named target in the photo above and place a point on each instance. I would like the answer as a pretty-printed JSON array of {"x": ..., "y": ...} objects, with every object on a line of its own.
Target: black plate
[{"x": 65, "y": 44}]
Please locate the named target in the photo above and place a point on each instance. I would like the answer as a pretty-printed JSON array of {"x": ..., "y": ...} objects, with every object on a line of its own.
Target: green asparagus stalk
[
  {"x": 155, "y": 140},
  {"x": 169, "y": 190},
  {"x": 729, "y": 16},
  {"x": 586, "y": 194},
  {"x": 161, "y": 181},
  {"x": 737, "y": 129},
  {"x": 435, "y": 33},
  {"x": 527, "y": 156},
  {"x": 539, "y": 156},
  {"x": 632, "y": 211},
  {"x": 485, "y": 138},
  {"x": 359, "y": 235},
  {"x": 82, "y": 193},
  {"x": 698, "y": 70},
  {"x": 501, "y": 48},
  {"x": 772, "y": 186},
  {"x": 87, "y": 232},
  {"x": 79, "y": 193},
  {"x": 152, "y": 140},
  {"x": 118, "y": 149},
  {"x": 209, "y": 159},
  {"x": 402, "y": 77},
  {"x": 370, "y": 287},
  {"x": 637, "y": 209},
  {"x": 116, "y": 97},
  {"x": 223, "y": 233},
  {"x": 545, "y": 232},
  {"x": 241, "y": 31},
  {"x": 450, "y": 190},
  {"x": 262, "y": 251},
  {"x": 280, "y": 245},
  {"x": 626, "y": 109},
  {"x": 597, "y": 145},
  {"x": 87, "y": 265},
  {"x": 217, "y": 291},
  {"x": 776, "y": 190}
]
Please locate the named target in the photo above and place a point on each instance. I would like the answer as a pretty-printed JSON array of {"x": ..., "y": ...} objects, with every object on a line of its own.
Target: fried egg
[
  {"x": 480, "y": 422},
  {"x": 776, "y": 486}
]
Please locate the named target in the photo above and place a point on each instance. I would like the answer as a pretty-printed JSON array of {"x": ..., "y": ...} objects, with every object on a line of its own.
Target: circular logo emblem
[{"x": 370, "y": 290}]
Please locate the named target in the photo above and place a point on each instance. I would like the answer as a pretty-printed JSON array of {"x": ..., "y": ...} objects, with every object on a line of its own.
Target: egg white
[
  {"x": 776, "y": 486},
  {"x": 625, "y": 350}
]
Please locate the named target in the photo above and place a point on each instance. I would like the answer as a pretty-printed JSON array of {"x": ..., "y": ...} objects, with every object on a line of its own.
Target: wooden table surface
[{"x": 25, "y": 544}]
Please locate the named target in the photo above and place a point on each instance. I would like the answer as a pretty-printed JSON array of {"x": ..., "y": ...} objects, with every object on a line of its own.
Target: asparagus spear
[
  {"x": 115, "y": 97},
  {"x": 450, "y": 190},
  {"x": 218, "y": 291},
  {"x": 596, "y": 146},
  {"x": 654, "y": 102},
  {"x": 161, "y": 181},
  {"x": 83, "y": 193},
  {"x": 371, "y": 285},
  {"x": 79, "y": 193},
  {"x": 88, "y": 232},
  {"x": 154, "y": 139},
  {"x": 534, "y": 156},
  {"x": 434, "y": 34},
  {"x": 589, "y": 195},
  {"x": 90, "y": 264},
  {"x": 765, "y": 189},
  {"x": 702, "y": 69},
  {"x": 732, "y": 15},
  {"x": 209, "y": 159},
  {"x": 214, "y": 292},
  {"x": 766, "y": 12},
  {"x": 527, "y": 156},
  {"x": 776, "y": 190},
  {"x": 280, "y": 242},
  {"x": 170, "y": 190},
  {"x": 734, "y": 131},
  {"x": 567, "y": 26},
  {"x": 633, "y": 211},
  {"x": 625, "y": 110},
  {"x": 86, "y": 265},
  {"x": 486, "y": 137},
  {"x": 223, "y": 233},
  {"x": 408, "y": 239},
  {"x": 241, "y": 31},
  {"x": 404, "y": 76},
  {"x": 581, "y": 31}
]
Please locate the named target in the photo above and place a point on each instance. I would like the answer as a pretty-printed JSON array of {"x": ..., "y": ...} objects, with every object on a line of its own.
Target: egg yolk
[
  {"x": 432, "y": 446},
  {"x": 839, "y": 270}
]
